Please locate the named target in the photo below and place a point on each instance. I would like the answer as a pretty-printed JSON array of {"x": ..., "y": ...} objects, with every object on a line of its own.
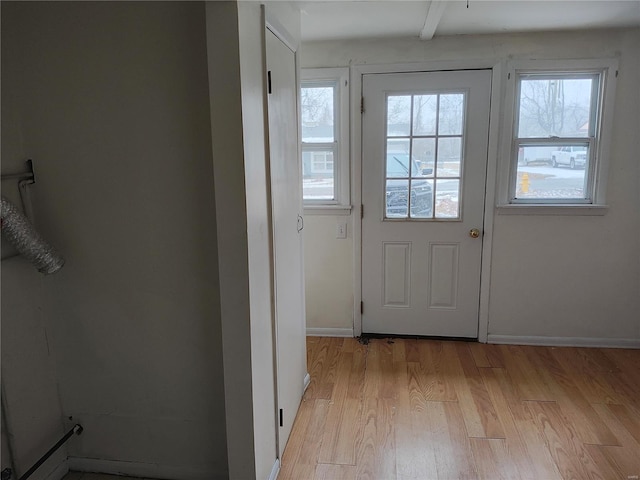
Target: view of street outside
[
  {"x": 554, "y": 135},
  {"x": 446, "y": 201},
  {"x": 543, "y": 181},
  {"x": 317, "y": 188}
]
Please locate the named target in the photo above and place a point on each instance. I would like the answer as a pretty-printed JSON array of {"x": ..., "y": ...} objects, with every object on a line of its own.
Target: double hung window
[
  {"x": 325, "y": 153},
  {"x": 557, "y": 152}
]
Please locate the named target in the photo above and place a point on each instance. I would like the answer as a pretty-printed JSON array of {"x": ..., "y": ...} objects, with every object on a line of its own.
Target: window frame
[
  {"x": 598, "y": 140},
  {"x": 339, "y": 79},
  {"x": 435, "y": 178}
]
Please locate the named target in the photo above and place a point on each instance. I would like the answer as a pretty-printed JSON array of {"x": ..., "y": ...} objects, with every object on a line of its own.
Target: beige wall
[
  {"x": 328, "y": 273},
  {"x": 112, "y": 105},
  {"x": 32, "y": 413},
  {"x": 567, "y": 276}
]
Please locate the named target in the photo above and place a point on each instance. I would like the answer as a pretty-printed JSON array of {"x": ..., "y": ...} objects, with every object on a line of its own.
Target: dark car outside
[{"x": 399, "y": 177}]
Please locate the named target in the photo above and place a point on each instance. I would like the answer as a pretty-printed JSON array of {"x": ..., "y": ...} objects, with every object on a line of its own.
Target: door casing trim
[{"x": 356, "y": 73}]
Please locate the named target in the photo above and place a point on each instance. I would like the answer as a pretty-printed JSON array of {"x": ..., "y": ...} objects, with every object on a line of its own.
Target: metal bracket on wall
[{"x": 25, "y": 180}]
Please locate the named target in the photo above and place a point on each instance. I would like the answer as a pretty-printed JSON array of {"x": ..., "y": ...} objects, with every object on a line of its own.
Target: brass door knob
[{"x": 474, "y": 233}]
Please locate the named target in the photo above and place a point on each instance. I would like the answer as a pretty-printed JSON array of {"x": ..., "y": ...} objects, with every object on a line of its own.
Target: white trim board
[
  {"x": 138, "y": 469},
  {"x": 275, "y": 470},
  {"x": 306, "y": 382},
  {"x": 565, "y": 341},
  {"x": 330, "y": 332}
]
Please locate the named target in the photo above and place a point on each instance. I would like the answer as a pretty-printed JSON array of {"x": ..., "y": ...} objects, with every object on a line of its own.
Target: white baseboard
[
  {"x": 275, "y": 470},
  {"x": 307, "y": 381},
  {"x": 146, "y": 470},
  {"x": 330, "y": 332},
  {"x": 59, "y": 472},
  {"x": 565, "y": 341}
]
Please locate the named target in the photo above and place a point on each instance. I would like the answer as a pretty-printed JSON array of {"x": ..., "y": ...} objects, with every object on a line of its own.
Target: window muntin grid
[{"x": 424, "y": 141}]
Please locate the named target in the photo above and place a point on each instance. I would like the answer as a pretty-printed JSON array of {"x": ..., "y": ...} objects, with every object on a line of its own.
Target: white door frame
[{"x": 497, "y": 87}]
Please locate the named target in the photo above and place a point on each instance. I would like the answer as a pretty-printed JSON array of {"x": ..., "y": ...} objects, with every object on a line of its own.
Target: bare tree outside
[
  {"x": 317, "y": 111},
  {"x": 554, "y": 107},
  {"x": 398, "y": 115},
  {"x": 318, "y": 142},
  {"x": 425, "y": 108},
  {"x": 450, "y": 114}
]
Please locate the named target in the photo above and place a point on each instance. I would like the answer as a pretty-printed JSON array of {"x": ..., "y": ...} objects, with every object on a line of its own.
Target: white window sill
[
  {"x": 328, "y": 210},
  {"x": 540, "y": 209}
]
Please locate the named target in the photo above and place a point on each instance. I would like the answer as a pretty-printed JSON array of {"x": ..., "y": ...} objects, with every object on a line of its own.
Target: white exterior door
[
  {"x": 425, "y": 138},
  {"x": 286, "y": 207}
]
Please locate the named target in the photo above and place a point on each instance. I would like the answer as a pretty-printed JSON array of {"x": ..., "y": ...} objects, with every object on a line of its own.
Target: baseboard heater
[{"x": 77, "y": 430}]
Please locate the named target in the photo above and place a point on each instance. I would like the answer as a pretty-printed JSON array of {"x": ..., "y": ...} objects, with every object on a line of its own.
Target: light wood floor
[{"x": 420, "y": 409}]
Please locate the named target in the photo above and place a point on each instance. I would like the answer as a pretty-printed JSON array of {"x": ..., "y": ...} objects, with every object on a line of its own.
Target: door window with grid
[{"x": 424, "y": 155}]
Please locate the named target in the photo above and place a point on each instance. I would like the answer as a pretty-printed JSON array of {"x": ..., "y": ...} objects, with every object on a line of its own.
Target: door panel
[
  {"x": 425, "y": 138},
  {"x": 397, "y": 274},
  {"x": 287, "y": 239}
]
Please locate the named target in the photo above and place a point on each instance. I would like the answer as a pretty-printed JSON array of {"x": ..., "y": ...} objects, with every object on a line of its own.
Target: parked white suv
[{"x": 571, "y": 156}]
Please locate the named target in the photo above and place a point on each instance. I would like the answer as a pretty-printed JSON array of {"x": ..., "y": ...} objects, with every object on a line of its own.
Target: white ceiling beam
[{"x": 432, "y": 19}]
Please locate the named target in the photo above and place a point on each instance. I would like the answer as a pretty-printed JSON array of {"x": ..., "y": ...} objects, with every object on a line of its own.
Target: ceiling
[{"x": 347, "y": 19}]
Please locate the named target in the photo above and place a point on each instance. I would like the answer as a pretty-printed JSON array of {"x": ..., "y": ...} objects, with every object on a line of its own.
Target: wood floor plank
[
  {"x": 399, "y": 351},
  {"x": 479, "y": 352},
  {"x": 494, "y": 354},
  {"x": 521, "y": 454},
  {"x": 491, "y": 426},
  {"x": 466, "y": 403},
  {"x": 349, "y": 345},
  {"x": 376, "y": 456},
  {"x": 358, "y": 368},
  {"x": 591, "y": 371},
  {"x": 625, "y": 463},
  {"x": 417, "y": 401},
  {"x": 529, "y": 382},
  {"x": 298, "y": 471},
  {"x": 323, "y": 368},
  {"x": 433, "y": 376},
  {"x": 534, "y": 442},
  {"x": 329, "y": 471},
  {"x": 298, "y": 435},
  {"x": 412, "y": 350},
  {"x": 493, "y": 460},
  {"x": 479, "y": 416},
  {"x": 414, "y": 460},
  {"x": 380, "y": 364},
  {"x": 568, "y": 452},
  {"x": 626, "y": 458},
  {"x": 454, "y": 458},
  {"x": 340, "y": 439},
  {"x": 317, "y": 351},
  {"x": 625, "y": 359},
  {"x": 628, "y": 420},
  {"x": 575, "y": 407},
  {"x": 607, "y": 467},
  {"x": 303, "y": 447},
  {"x": 420, "y": 409},
  {"x": 626, "y": 382}
]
